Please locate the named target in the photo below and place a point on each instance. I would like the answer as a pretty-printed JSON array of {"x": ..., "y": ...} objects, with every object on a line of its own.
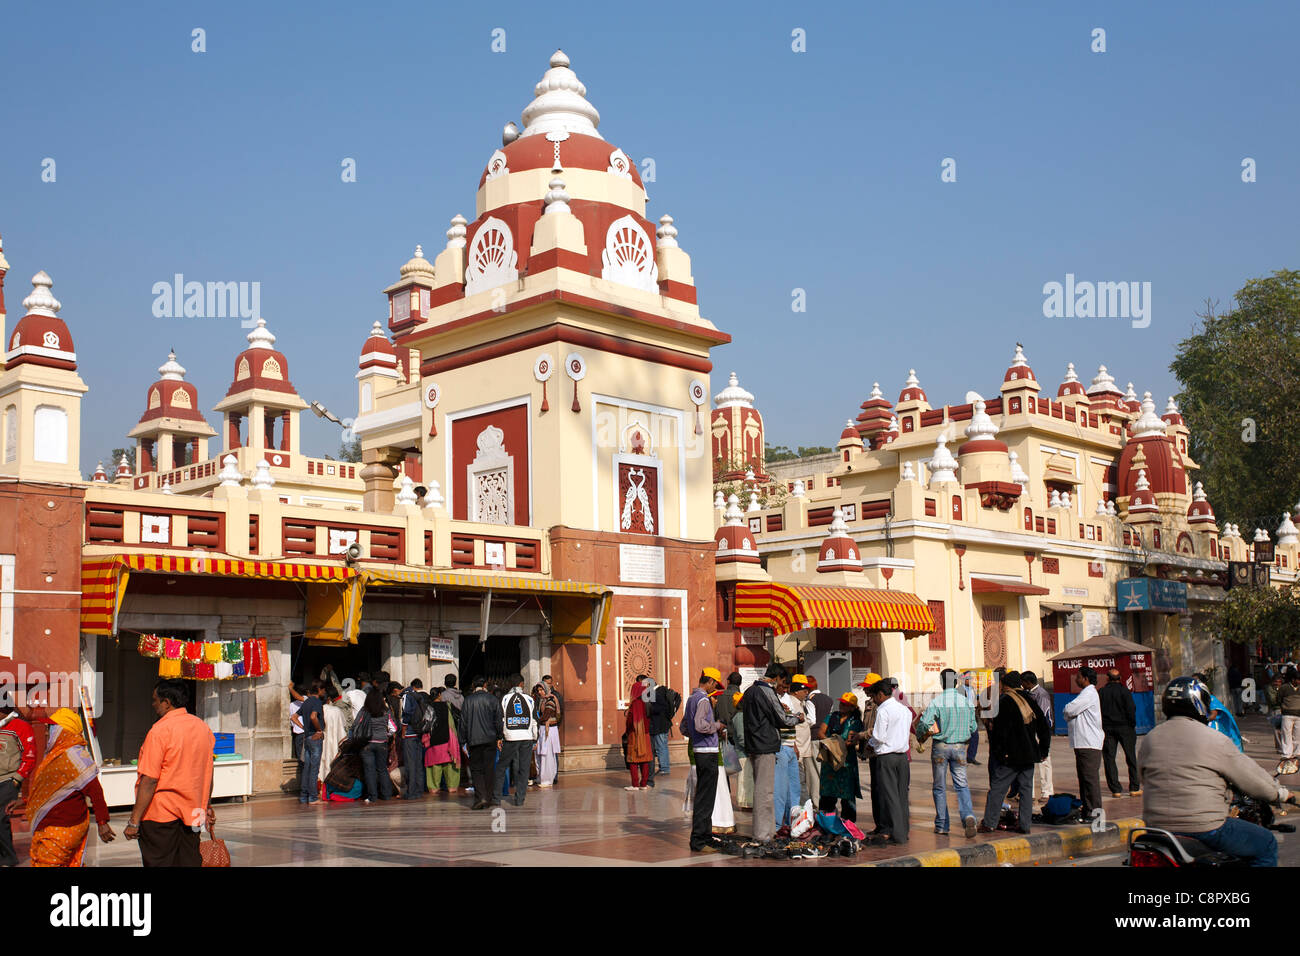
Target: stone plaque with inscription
[{"x": 641, "y": 563}]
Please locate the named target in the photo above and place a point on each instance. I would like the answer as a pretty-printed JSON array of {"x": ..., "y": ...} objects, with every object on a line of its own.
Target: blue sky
[{"x": 817, "y": 170}]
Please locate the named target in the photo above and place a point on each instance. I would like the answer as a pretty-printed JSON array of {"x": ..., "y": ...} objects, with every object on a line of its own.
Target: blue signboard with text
[{"x": 1150, "y": 594}]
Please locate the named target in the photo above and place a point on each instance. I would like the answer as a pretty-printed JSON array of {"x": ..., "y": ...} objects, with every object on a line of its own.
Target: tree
[
  {"x": 1240, "y": 390},
  {"x": 114, "y": 459},
  {"x": 1267, "y": 615},
  {"x": 782, "y": 453},
  {"x": 350, "y": 450}
]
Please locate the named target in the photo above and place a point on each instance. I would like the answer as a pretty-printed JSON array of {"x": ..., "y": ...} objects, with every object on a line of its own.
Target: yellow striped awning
[
  {"x": 578, "y": 606},
  {"x": 104, "y": 578},
  {"x": 793, "y": 607}
]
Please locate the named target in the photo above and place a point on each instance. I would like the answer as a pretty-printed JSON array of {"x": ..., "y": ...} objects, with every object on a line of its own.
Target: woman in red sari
[{"x": 640, "y": 752}]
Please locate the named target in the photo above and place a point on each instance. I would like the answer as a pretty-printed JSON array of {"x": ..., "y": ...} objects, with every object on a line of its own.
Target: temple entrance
[
  {"x": 348, "y": 659},
  {"x": 500, "y": 660}
]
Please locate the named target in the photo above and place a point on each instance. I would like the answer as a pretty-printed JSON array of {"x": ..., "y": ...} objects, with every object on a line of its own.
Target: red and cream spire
[
  {"x": 41, "y": 337},
  {"x": 1071, "y": 384},
  {"x": 172, "y": 431},
  {"x": 1104, "y": 391},
  {"x": 1199, "y": 511},
  {"x": 875, "y": 414},
  {"x": 839, "y": 552}
]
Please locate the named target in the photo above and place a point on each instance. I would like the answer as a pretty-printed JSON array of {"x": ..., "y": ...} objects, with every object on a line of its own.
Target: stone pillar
[
  {"x": 268, "y": 429},
  {"x": 144, "y": 459},
  {"x": 378, "y": 474},
  {"x": 415, "y": 652},
  {"x": 232, "y": 430},
  {"x": 285, "y": 424},
  {"x": 166, "y": 453}
]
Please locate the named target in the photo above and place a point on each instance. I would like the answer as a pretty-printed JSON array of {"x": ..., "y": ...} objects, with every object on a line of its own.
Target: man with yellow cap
[
  {"x": 868, "y": 724},
  {"x": 701, "y": 726}
]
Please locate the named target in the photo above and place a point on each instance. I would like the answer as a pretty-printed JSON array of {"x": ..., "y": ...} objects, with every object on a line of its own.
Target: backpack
[
  {"x": 673, "y": 700},
  {"x": 360, "y": 729},
  {"x": 427, "y": 714},
  {"x": 683, "y": 726},
  {"x": 518, "y": 714},
  {"x": 1063, "y": 808}
]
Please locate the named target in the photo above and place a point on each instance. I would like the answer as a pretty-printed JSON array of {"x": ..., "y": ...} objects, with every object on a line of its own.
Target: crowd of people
[{"x": 380, "y": 739}]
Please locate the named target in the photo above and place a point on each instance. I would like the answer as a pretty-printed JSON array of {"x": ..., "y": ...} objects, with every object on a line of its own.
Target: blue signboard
[{"x": 1150, "y": 594}]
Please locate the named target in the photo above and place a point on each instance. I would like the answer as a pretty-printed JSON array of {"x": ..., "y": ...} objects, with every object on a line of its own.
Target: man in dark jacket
[
  {"x": 1018, "y": 737},
  {"x": 1119, "y": 724},
  {"x": 482, "y": 727},
  {"x": 728, "y": 705},
  {"x": 763, "y": 716},
  {"x": 661, "y": 711}
]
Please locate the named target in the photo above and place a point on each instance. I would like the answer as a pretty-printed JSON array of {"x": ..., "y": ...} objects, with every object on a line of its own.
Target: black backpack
[
  {"x": 673, "y": 700},
  {"x": 426, "y": 716}
]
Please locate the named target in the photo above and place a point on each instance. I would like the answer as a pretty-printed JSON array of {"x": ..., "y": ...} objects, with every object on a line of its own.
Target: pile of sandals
[{"x": 813, "y": 846}]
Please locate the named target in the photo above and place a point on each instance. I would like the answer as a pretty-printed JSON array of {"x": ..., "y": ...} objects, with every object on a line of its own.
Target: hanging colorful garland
[{"x": 206, "y": 660}]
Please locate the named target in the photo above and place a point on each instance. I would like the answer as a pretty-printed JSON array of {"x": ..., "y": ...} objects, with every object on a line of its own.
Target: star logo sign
[{"x": 1132, "y": 599}]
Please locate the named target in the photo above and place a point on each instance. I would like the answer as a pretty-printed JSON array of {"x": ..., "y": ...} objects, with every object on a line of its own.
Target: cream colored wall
[{"x": 28, "y": 387}]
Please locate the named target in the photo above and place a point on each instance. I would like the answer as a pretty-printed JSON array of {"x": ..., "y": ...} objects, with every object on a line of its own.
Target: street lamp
[{"x": 320, "y": 411}]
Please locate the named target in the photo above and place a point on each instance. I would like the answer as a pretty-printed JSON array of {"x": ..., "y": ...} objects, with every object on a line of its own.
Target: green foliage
[
  {"x": 350, "y": 450},
  {"x": 774, "y": 453},
  {"x": 1242, "y": 365},
  {"x": 1270, "y": 615}
]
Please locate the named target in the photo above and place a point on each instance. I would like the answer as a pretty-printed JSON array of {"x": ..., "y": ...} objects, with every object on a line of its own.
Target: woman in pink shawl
[
  {"x": 442, "y": 753},
  {"x": 640, "y": 752}
]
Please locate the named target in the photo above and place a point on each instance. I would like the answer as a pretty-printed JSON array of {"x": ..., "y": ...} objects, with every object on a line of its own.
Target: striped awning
[
  {"x": 580, "y": 611},
  {"x": 104, "y": 579},
  {"x": 498, "y": 583},
  {"x": 793, "y": 607}
]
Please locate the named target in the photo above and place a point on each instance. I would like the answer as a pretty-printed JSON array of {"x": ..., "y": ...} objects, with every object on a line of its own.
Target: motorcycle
[{"x": 1153, "y": 847}]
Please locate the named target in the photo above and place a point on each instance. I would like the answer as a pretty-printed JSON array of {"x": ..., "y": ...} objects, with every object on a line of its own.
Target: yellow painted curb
[
  {"x": 1014, "y": 850},
  {"x": 940, "y": 858}
]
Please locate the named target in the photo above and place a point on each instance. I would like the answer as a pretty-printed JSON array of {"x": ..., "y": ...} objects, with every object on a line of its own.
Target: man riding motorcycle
[{"x": 1186, "y": 770}]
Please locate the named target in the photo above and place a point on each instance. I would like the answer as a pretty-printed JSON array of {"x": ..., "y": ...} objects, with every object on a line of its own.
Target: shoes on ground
[
  {"x": 1135, "y": 793},
  {"x": 940, "y": 832},
  {"x": 631, "y": 789},
  {"x": 983, "y": 828},
  {"x": 546, "y": 784},
  {"x": 1116, "y": 793},
  {"x": 969, "y": 824}
]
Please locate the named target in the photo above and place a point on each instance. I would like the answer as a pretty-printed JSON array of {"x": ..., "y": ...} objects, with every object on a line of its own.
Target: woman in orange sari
[
  {"x": 56, "y": 803},
  {"x": 640, "y": 752}
]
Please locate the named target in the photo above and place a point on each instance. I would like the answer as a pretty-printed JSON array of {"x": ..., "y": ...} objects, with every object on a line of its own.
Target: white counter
[{"x": 230, "y": 778}]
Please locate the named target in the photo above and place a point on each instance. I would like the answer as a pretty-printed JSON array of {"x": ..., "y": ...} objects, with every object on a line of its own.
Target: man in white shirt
[
  {"x": 892, "y": 774},
  {"x": 1083, "y": 715},
  {"x": 520, "y": 734},
  {"x": 805, "y": 749}
]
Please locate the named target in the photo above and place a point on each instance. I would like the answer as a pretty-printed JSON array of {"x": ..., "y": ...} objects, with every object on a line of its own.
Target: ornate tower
[
  {"x": 40, "y": 393},
  {"x": 172, "y": 431}
]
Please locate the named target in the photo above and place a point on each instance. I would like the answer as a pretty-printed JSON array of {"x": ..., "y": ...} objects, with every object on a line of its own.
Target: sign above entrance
[
  {"x": 641, "y": 563},
  {"x": 1150, "y": 594}
]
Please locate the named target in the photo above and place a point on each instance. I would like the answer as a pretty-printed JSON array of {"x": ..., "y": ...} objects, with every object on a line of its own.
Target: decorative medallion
[
  {"x": 50, "y": 340},
  {"x": 496, "y": 166},
  {"x": 576, "y": 368},
  {"x": 543, "y": 369},
  {"x": 699, "y": 395},
  {"x": 431, "y": 395},
  {"x": 619, "y": 164}
]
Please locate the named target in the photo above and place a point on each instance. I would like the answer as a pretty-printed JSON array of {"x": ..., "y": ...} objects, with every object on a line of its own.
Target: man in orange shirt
[{"x": 173, "y": 795}]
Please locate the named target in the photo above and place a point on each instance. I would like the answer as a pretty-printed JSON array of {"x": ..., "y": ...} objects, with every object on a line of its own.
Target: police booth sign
[{"x": 1150, "y": 594}]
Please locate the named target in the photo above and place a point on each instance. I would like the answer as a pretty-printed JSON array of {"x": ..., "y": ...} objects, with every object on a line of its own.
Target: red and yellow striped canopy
[
  {"x": 104, "y": 579},
  {"x": 793, "y": 607}
]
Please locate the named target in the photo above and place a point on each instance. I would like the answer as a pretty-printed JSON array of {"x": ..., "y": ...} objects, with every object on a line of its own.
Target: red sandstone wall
[
  {"x": 594, "y": 557},
  {"x": 41, "y": 526}
]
